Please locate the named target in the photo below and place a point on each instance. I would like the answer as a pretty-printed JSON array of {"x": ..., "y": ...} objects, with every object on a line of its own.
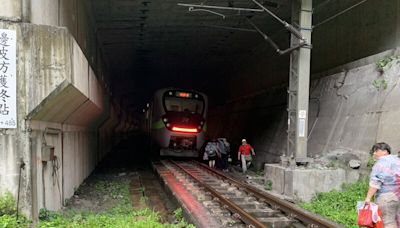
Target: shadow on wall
[{"x": 133, "y": 151}]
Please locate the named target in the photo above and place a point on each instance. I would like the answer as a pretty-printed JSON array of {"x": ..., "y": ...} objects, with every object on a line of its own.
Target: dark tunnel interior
[
  {"x": 151, "y": 44},
  {"x": 155, "y": 44}
]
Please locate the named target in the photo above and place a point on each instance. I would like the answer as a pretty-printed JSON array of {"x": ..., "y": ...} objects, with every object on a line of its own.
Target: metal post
[{"x": 299, "y": 83}]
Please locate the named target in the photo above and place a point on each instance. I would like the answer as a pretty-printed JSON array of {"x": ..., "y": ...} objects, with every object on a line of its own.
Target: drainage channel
[{"x": 231, "y": 203}]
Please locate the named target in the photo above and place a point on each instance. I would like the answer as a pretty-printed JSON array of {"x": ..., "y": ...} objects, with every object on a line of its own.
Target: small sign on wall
[
  {"x": 8, "y": 79},
  {"x": 302, "y": 127},
  {"x": 302, "y": 123}
]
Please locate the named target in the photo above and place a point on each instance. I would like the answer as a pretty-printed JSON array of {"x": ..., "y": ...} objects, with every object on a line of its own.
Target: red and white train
[{"x": 176, "y": 121}]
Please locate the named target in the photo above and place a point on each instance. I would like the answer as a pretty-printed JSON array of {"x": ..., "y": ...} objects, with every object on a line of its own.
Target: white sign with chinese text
[{"x": 8, "y": 79}]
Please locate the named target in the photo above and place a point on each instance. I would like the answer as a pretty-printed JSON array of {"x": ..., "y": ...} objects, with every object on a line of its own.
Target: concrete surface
[
  {"x": 11, "y": 10},
  {"x": 348, "y": 114},
  {"x": 304, "y": 183},
  {"x": 60, "y": 104}
]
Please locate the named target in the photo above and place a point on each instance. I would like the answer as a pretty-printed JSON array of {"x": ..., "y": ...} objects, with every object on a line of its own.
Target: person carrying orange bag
[
  {"x": 384, "y": 184},
  {"x": 379, "y": 224},
  {"x": 369, "y": 215},
  {"x": 365, "y": 216}
]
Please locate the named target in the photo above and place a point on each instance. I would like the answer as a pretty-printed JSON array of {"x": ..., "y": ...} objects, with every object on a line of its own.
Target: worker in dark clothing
[
  {"x": 212, "y": 152},
  {"x": 225, "y": 149}
]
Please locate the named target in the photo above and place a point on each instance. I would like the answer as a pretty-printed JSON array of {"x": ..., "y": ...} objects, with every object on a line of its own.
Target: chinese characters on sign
[{"x": 8, "y": 79}]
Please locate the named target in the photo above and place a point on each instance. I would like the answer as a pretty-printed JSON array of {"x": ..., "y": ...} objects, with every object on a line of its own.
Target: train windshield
[{"x": 177, "y": 104}]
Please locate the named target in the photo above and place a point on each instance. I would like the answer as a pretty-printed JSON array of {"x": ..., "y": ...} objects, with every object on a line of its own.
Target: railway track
[{"x": 237, "y": 204}]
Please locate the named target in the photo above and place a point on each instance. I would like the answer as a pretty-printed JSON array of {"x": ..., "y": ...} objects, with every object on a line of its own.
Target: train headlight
[
  {"x": 168, "y": 125},
  {"x": 165, "y": 120}
]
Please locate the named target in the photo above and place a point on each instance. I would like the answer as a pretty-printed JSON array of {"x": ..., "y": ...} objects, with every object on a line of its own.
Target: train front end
[{"x": 182, "y": 123}]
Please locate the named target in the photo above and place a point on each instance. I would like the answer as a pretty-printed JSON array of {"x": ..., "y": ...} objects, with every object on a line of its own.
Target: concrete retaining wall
[
  {"x": 72, "y": 14},
  {"x": 351, "y": 107},
  {"x": 347, "y": 113},
  {"x": 365, "y": 30},
  {"x": 304, "y": 183},
  {"x": 368, "y": 29},
  {"x": 61, "y": 104},
  {"x": 11, "y": 10},
  {"x": 353, "y": 111},
  {"x": 58, "y": 92}
]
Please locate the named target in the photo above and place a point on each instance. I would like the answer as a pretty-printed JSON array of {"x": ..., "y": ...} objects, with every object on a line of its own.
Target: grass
[
  {"x": 8, "y": 213},
  {"x": 339, "y": 206},
  {"x": 114, "y": 218},
  {"x": 120, "y": 215}
]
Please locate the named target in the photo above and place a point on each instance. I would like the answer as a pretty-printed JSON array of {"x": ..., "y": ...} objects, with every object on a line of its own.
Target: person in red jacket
[{"x": 244, "y": 155}]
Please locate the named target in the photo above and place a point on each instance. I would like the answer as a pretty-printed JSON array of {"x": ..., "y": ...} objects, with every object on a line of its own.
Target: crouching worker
[{"x": 244, "y": 155}]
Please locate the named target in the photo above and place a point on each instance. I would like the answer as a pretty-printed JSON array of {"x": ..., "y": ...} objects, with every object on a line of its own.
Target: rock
[{"x": 354, "y": 164}]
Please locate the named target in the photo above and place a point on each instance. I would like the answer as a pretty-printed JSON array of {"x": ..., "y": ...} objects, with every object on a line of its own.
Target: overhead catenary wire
[
  {"x": 230, "y": 28},
  {"x": 220, "y": 7},
  {"x": 289, "y": 27},
  {"x": 192, "y": 9},
  {"x": 272, "y": 43},
  {"x": 339, "y": 13},
  {"x": 262, "y": 8}
]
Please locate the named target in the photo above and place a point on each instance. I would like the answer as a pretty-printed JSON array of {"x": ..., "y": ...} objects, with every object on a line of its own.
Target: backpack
[
  {"x": 210, "y": 149},
  {"x": 224, "y": 147},
  {"x": 227, "y": 147}
]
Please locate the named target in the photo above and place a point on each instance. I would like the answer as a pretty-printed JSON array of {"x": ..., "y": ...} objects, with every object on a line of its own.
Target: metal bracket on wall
[
  {"x": 273, "y": 44},
  {"x": 289, "y": 27}
]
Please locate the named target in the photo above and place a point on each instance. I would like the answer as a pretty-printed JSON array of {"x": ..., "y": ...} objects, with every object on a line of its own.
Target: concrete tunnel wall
[
  {"x": 256, "y": 108},
  {"x": 348, "y": 113},
  {"x": 365, "y": 30},
  {"x": 61, "y": 103}
]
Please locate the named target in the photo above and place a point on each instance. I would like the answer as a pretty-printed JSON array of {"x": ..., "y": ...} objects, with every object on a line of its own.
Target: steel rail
[
  {"x": 287, "y": 207},
  {"x": 234, "y": 208}
]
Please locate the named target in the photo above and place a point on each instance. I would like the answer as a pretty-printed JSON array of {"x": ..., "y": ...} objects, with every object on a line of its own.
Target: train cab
[{"x": 178, "y": 121}]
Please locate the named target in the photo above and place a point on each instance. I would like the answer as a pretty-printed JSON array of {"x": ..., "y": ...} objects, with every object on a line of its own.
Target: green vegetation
[
  {"x": 114, "y": 189},
  {"x": 113, "y": 218},
  {"x": 380, "y": 84},
  {"x": 178, "y": 213},
  {"x": 7, "y": 205},
  {"x": 260, "y": 172},
  {"x": 371, "y": 162},
  {"x": 120, "y": 215},
  {"x": 339, "y": 206},
  {"x": 382, "y": 65},
  {"x": 386, "y": 62},
  {"x": 8, "y": 213},
  {"x": 268, "y": 185}
]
